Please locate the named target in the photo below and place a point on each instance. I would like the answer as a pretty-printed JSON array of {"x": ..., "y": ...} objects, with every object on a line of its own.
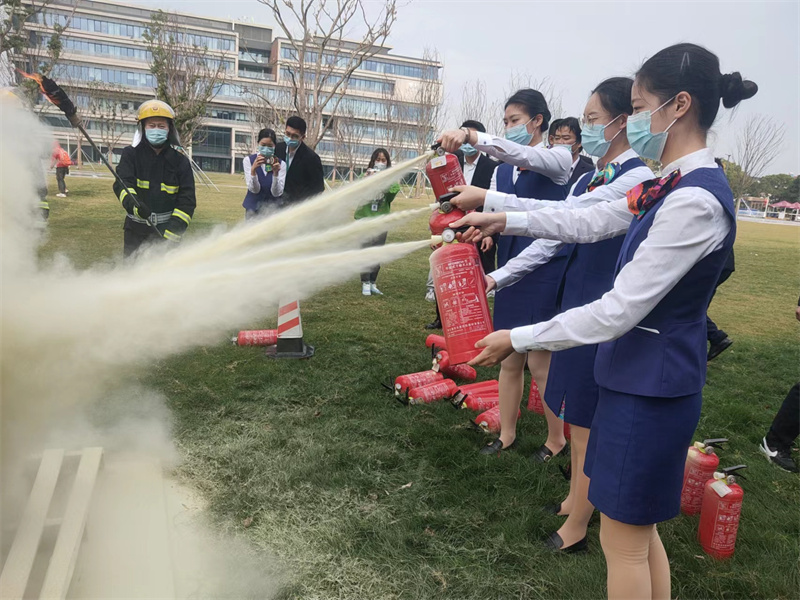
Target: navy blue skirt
[
  {"x": 571, "y": 381},
  {"x": 636, "y": 455},
  {"x": 533, "y": 299}
]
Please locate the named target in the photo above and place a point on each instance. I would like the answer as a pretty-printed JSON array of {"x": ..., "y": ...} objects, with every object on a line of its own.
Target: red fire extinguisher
[
  {"x": 464, "y": 372},
  {"x": 441, "y": 360},
  {"x": 535, "y": 399},
  {"x": 489, "y": 421},
  {"x": 433, "y": 392},
  {"x": 461, "y": 295},
  {"x": 701, "y": 462},
  {"x": 720, "y": 512},
  {"x": 403, "y": 383},
  {"x": 444, "y": 215},
  {"x": 476, "y": 401},
  {"x": 257, "y": 337},
  {"x": 435, "y": 341},
  {"x": 481, "y": 386},
  {"x": 444, "y": 172}
]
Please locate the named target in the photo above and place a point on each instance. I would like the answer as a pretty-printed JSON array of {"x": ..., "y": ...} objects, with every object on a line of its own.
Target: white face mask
[{"x": 379, "y": 166}]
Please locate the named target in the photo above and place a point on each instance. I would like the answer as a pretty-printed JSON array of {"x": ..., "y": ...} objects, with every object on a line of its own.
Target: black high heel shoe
[
  {"x": 496, "y": 447},
  {"x": 544, "y": 454},
  {"x": 555, "y": 544},
  {"x": 553, "y": 509}
]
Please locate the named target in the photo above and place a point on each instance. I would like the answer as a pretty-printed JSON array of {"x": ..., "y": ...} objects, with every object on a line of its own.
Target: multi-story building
[{"x": 102, "y": 44}]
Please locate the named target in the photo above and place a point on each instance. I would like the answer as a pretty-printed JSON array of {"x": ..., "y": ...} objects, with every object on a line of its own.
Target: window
[
  {"x": 128, "y": 78},
  {"x": 378, "y": 66}
]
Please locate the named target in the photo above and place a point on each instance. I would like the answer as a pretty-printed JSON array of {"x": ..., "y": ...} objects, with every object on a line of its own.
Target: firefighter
[{"x": 159, "y": 197}]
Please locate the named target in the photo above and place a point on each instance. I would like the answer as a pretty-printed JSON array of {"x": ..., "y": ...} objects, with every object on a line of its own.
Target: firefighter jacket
[{"x": 164, "y": 182}]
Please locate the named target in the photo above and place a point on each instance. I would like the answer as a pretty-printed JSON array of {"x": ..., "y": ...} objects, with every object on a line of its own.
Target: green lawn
[{"x": 316, "y": 457}]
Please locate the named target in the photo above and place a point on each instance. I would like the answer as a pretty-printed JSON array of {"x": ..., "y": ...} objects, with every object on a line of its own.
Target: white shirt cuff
[
  {"x": 522, "y": 339},
  {"x": 494, "y": 202},
  {"x": 501, "y": 277},
  {"x": 484, "y": 139},
  {"x": 516, "y": 224}
]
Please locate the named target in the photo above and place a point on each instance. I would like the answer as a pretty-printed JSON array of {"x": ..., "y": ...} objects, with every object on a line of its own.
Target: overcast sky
[{"x": 578, "y": 44}]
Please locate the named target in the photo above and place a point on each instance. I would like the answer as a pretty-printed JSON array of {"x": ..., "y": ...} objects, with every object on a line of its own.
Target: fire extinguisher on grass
[
  {"x": 720, "y": 512},
  {"x": 701, "y": 463},
  {"x": 433, "y": 392}
]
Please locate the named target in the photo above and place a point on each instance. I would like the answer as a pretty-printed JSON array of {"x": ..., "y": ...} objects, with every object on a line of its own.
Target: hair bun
[{"x": 733, "y": 89}]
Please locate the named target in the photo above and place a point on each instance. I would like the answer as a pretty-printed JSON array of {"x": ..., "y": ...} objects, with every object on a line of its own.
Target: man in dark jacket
[
  {"x": 159, "y": 196},
  {"x": 304, "y": 176}
]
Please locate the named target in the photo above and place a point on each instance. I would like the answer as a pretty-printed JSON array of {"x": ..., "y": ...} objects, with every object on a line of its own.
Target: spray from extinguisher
[
  {"x": 433, "y": 392},
  {"x": 720, "y": 512},
  {"x": 701, "y": 462}
]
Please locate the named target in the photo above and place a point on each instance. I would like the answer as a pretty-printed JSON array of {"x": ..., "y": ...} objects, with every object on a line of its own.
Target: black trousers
[
  {"x": 61, "y": 172},
  {"x": 786, "y": 424},
  {"x": 488, "y": 259},
  {"x": 371, "y": 276},
  {"x": 133, "y": 239},
  {"x": 713, "y": 333}
]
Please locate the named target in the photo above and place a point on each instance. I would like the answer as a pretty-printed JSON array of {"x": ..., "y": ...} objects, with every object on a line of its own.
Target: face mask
[
  {"x": 266, "y": 151},
  {"x": 290, "y": 143},
  {"x": 468, "y": 150},
  {"x": 567, "y": 146},
  {"x": 519, "y": 134},
  {"x": 379, "y": 166},
  {"x": 156, "y": 136},
  {"x": 593, "y": 138},
  {"x": 643, "y": 141}
]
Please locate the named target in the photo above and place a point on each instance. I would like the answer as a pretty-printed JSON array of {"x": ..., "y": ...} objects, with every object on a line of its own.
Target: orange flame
[{"x": 37, "y": 78}]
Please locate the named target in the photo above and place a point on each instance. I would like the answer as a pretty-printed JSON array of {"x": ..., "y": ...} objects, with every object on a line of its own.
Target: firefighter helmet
[{"x": 155, "y": 108}]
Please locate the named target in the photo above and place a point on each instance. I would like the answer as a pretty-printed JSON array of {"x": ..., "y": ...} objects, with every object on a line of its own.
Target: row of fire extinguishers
[{"x": 713, "y": 493}]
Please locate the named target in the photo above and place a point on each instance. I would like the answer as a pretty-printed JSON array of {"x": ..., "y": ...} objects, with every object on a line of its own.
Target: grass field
[{"x": 317, "y": 458}]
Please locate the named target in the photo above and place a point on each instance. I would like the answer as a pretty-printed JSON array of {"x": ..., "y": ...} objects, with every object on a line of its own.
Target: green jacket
[{"x": 379, "y": 206}]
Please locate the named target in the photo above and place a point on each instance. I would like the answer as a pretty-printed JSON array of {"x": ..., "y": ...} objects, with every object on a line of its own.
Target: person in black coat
[
  {"x": 568, "y": 132},
  {"x": 304, "y": 176}
]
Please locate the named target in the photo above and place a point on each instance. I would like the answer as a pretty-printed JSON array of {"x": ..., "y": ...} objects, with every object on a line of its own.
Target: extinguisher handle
[
  {"x": 715, "y": 442},
  {"x": 458, "y": 399},
  {"x": 732, "y": 470},
  {"x": 438, "y": 148},
  {"x": 388, "y": 387}
]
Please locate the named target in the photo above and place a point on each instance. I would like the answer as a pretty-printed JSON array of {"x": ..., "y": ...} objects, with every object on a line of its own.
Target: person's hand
[
  {"x": 490, "y": 282},
  {"x": 489, "y": 224},
  {"x": 469, "y": 197},
  {"x": 486, "y": 244},
  {"x": 129, "y": 203},
  {"x": 452, "y": 139},
  {"x": 276, "y": 165},
  {"x": 260, "y": 160},
  {"x": 496, "y": 348},
  {"x": 797, "y": 313}
]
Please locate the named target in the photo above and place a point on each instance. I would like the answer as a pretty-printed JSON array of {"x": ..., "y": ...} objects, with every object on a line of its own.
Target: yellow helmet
[{"x": 155, "y": 108}]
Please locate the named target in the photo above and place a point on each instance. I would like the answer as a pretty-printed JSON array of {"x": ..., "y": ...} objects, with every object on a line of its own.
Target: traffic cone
[{"x": 290, "y": 334}]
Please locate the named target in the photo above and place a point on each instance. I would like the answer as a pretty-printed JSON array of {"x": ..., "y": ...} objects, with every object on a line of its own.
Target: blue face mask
[
  {"x": 156, "y": 136},
  {"x": 290, "y": 143},
  {"x": 593, "y": 138},
  {"x": 643, "y": 141},
  {"x": 468, "y": 150},
  {"x": 379, "y": 166},
  {"x": 519, "y": 134},
  {"x": 266, "y": 151},
  {"x": 567, "y": 146}
]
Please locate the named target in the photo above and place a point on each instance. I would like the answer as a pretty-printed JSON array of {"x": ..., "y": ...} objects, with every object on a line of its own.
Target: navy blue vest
[
  {"x": 591, "y": 267},
  {"x": 255, "y": 201},
  {"x": 529, "y": 185},
  {"x": 672, "y": 362}
]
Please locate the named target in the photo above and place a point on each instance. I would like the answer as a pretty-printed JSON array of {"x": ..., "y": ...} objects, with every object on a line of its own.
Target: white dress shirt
[
  {"x": 469, "y": 169},
  {"x": 254, "y": 185},
  {"x": 553, "y": 163},
  {"x": 688, "y": 227},
  {"x": 541, "y": 251}
]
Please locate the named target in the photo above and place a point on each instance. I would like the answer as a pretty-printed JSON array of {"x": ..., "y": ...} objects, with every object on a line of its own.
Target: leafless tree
[
  {"x": 323, "y": 60},
  {"x": 519, "y": 80},
  {"x": 187, "y": 75},
  {"x": 758, "y": 143},
  {"x": 109, "y": 113},
  {"x": 349, "y": 134},
  {"x": 475, "y": 103}
]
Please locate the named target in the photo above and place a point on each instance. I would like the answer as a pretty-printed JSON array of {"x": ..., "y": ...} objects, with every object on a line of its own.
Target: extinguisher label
[
  {"x": 726, "y": 525},
  {"x": 438, "y": 162},
  {"x": 721, "y": 488}
]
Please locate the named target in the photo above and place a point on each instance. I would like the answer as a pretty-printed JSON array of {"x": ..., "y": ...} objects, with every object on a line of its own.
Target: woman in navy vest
[
  {"x": 589, "y": 274},
  {"x": 265, "y": 175},
  {"x": 651, "y": 359},
  {"x": 530, "y": 170}
]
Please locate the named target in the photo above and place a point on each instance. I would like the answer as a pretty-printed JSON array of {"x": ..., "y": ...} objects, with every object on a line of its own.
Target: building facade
[{"x": 102, "y": 47}]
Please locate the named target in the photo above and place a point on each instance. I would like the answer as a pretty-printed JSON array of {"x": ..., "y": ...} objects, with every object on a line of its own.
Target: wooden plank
[
  {"x": 65, "y": 553},
  {"x": 17, "y": 568}
]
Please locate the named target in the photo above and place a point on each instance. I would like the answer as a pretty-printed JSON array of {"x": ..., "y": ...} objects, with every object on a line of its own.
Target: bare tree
[
  {"x": 109, "y": 113},
  {"x": 322, "y": 59},
  {"x": 187, "y": 76},
  {"x": 519, "y": 80},
  {"x": 475, "y": 103},
  {"x": 758, "y": 143},
  {"x": 349, "y": 135}
]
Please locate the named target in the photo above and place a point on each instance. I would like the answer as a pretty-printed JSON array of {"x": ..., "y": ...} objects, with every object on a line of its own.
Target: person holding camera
[{"x": 265, "y": 175}]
